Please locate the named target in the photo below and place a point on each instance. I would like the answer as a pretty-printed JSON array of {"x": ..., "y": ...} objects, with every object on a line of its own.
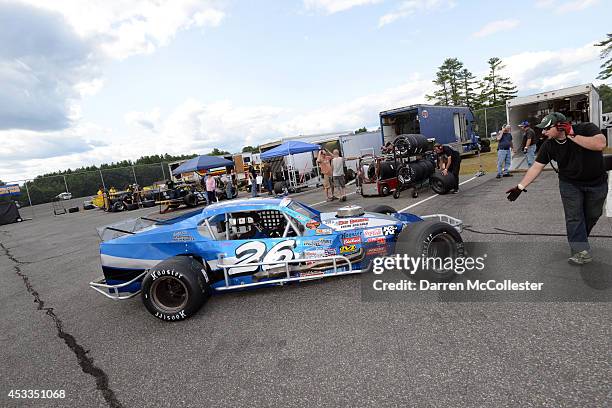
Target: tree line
[{"x": 457, "y": 86}]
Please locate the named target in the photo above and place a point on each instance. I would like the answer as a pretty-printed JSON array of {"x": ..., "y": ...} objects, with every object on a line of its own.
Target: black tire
[
  {"x": 349, "y": 175},
  {"x": 381, "y": 209},
  {"x": 441, "y": 184},
  {"x": 88, "y": 207},
  {"x": 148, "y": 203},
  {"x": 190, "y": 200},
  {"x": 385, "y": 190},
  {"x": 117, "y": 207},
  {"x": 396, "y": 194},
  {"x": 131, "y": 206},
  {"x": 279, "y": 187},
  {"x": 73, "y": 209},
  {"x": 175, "y": 289},
  {"x": 405, "y": 175},
  {"x": 431, "y": 239},
  {"x": 485, "y": 143}
]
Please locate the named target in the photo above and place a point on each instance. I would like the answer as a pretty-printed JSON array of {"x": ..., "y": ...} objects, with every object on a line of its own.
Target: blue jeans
[
  {"x": 254, "y": 189},
  {"x": 530, "y": 155},
  {"x": 583, "y": 206},
  {"x": 503, "y": 161}
]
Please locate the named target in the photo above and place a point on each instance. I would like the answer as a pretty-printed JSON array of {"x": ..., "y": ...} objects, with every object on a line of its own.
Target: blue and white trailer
[{"x": 451, "y": 125}]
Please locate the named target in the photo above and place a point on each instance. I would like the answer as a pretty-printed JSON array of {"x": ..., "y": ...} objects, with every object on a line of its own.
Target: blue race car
[{"x": 177, "y": 264}]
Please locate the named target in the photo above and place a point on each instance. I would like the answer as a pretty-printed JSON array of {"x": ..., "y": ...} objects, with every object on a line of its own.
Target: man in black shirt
[
  {"x": 453, "y": 162},
  {"x": 583, "y": 183},
  {"x": 529, "y": 143}
]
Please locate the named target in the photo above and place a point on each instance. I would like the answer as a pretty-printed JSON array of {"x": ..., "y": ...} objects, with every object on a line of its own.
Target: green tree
[
  {"x": 606, "y": 66},
  {"x": 441, "y": 95},
  {"x": 361, "y": 130},
  {"x": 496, "y": 89},
  {"x": 467, "y": 82},
  {"x": 250, "y": 149},
  {"x": 605, "y": 93},
  {"x": 217, "y": 152},
  {"x": 449, "y": 83}
]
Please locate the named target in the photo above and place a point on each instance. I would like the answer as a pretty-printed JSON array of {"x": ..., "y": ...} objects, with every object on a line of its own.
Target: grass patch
[{"x": 471, "y": 164}]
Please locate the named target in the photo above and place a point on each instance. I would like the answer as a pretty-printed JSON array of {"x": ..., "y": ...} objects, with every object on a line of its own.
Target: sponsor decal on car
[
  {"x": 389, "y": 229},
  {"x": 323, "y": 231},
  {"x": 312, "y": 224},
  {"x": 378, "y": 240},
  {"x": 348, "y": 234},
  {"x": 374, "y": 232},
  {"x": 321, "y": 242},
  {"x": 182, "y": 236},
  {"x": 347, "y": 249},
  {"x": 351, "y": 241},
  {"x": 379, "y": 250},
  {"x": 330, "y": 251},
  {"x": 316, "y": 253}
]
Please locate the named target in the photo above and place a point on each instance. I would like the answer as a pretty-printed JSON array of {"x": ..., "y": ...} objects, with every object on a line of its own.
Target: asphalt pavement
[{"x": 323, "y": 343}]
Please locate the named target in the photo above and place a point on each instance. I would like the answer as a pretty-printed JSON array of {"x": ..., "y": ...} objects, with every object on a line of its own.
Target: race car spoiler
[{"x": 126, "y": 227}]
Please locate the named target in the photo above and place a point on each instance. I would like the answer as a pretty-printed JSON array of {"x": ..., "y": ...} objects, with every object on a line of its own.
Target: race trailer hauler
[
  {"x": 578, "y": 103},
  {"x": 451, "y": 125}
]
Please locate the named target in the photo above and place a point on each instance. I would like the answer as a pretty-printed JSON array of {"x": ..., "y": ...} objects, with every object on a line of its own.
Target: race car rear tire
[
  {"x": 148, "y": 203},
  {"x": 175, "y": 289},
  {"x": 381, "y": 209},
  {"x": 131, "y": 206},
  {"x": 431, "y": 239},
  {"x": 117, "y": 207}
]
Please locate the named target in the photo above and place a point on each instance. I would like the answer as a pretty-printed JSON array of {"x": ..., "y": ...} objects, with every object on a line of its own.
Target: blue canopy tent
[
  {"x": 290, "y": 148},
  {"x": 202, "y": 163}
]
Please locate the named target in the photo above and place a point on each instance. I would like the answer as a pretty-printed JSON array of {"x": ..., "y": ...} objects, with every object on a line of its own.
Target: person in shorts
[{"x": 324, "y": 159}]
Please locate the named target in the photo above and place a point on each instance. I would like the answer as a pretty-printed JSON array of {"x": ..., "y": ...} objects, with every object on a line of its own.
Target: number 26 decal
[{"x": 255, "y": 252}]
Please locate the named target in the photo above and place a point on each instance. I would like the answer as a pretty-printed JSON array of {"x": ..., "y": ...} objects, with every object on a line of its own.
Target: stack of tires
[
  {"x": 387, "y": 170},
  {"x": 415, "y": 172},
  {"x": 410, "y": 145},
  {"x": 485, "y": 145}
]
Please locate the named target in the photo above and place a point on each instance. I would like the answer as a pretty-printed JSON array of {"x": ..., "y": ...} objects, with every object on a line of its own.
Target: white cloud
[
  {"x": 541, "y": 70},
  {"x": 335, "y": 6},
  {"x": 146, "y": 120},
  {"x": 125, "y": 28},
  {"x": 410, "y": 7},
  {"x": 496, "y": 26},
  {"x": 566, "y": 6}
]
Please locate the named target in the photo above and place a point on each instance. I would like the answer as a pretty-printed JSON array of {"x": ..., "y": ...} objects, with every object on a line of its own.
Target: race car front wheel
[
  {"x": 434, "y": 242},
  {"x": 176, "y": 288}
]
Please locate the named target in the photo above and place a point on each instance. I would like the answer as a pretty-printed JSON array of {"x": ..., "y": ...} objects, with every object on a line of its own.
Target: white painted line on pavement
[
  {"x": 321, "y": 202},
  {"x": 435, "y": 195}
]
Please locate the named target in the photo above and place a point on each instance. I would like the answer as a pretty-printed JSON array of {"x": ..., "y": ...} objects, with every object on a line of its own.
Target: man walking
[
  {"x": 529, "y": 143},
  {"x": 583, "y": 182},
  {"x": 253, "y": 179},
  {"x": 504, "y": 147},
  {"x": 337, "y": 164},
  {"x": 324, "y": 161},
  {"x": 453, "y": 162},
  {"x": 211, "y": 186}
]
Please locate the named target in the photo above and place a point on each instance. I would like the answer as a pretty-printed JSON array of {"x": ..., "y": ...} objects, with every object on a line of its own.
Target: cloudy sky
[{"x": 91, "y": 81}]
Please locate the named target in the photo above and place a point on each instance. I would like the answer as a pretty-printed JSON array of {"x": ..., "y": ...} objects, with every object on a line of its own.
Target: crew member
[
  {"x": 530, "y": 141},
  {"x": 453, "y": 163},
  {"x": 583, "y": 182}
]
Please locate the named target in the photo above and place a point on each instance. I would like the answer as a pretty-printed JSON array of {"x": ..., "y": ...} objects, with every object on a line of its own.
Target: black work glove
[{"x": 514, "y": 192}]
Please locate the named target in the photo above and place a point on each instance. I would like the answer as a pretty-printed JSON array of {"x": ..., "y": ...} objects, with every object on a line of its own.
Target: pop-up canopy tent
[
  {"x": 290, "y": 148},
  {"x": 202, "y": 163}
]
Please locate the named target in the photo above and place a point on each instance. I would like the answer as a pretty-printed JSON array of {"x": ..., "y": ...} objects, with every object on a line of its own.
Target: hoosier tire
[
  {"x": 175, "y": 289},
  {"x": 279, "y": 187},
  {"x": 431, "y": 239},
  {"x": 190, "y": 200},
  {"x": 442, "y": 184}
]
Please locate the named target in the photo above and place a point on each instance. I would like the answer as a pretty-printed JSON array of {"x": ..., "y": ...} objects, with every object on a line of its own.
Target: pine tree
[
  {"x": 440, "y": 96},
  {"x": 496, "y": 89},
  {"x": 606, "y": 67},
  {"x": 468, "y": 93}
]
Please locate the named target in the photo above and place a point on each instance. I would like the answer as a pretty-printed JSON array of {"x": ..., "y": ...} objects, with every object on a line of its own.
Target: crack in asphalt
[{"x": 85, "y": 362}]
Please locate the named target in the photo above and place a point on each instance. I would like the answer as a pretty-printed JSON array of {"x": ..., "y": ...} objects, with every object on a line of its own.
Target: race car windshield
[{"x": 302, "y": 209}]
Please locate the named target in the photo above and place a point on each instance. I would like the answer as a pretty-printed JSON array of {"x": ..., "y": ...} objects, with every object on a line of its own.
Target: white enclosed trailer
[{"x": 578, "y": 103}]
